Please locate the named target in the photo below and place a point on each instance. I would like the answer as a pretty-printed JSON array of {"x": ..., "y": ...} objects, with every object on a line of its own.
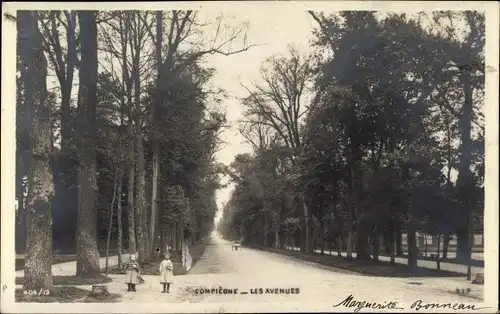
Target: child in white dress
[{"x": 166, "y": 273}]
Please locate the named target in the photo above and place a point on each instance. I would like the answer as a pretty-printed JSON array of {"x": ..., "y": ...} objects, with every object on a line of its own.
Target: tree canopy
[{"x": 389, "y": 139}]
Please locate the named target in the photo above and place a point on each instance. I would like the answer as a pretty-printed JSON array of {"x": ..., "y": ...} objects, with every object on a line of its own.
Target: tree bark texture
[
  {"x": 22, "y": 139},
  {"x": 38, "y": 255},
  {"x": 87, "y": 260}
]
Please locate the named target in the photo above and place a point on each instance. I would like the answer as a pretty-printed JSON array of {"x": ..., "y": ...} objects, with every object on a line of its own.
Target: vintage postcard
[{"x": 257, "y": 157}]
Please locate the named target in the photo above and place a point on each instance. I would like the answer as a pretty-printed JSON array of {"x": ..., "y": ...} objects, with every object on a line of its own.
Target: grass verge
[
  {"x": 474, "y": 262},
  {"x": 67, "y": 294},
  {"x": 72, "y": 280},
  {"x": 368, "y": 268}
]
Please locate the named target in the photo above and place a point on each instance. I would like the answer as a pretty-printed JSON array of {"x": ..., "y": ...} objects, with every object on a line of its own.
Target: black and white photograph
[{"x": 218, "y": 157}]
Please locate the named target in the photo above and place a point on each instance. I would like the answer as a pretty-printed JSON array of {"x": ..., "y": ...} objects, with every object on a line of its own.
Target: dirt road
[{"x": 249, "y": 275}]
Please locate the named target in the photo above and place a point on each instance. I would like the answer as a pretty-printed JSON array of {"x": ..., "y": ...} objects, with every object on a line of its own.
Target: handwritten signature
[
  {"x": 359, "y": 305},
  {"x": 418, "y": 305}
]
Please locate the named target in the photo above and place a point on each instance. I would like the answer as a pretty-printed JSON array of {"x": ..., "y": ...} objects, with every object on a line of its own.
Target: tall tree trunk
[
  {"x": 110, "y": 223},
  {"x": 173, "y": 237},
  {"x": 179, "y": 237},
  {"x": 276, "y": 239},
  {"x": 140, "y": 184},
  {"x": 21, "y": 153},
  {"x": 20, "y": 226},
  {"x": 20, "y": 223},
  {"x": 376, "y": 244},
  {"x": 315, "y": 237},
  {"x": 65, "y": 73},
  {"x": 426, "y": 244},
  {"x": 154, "y": 197},
  {"x": 170, "y": 236},
  {"x": 132, "y": 246},
  {"x": 156, "y": 151},
  {"x": 438, "y": 251},
  {"x": 399, "y": 239},
  {"x": 163, "y": 245},
  {"x": 362, "y": 226},
  {"x": 391, "y": 234},
  {"x": 119, "y": 210},
  {"x": 264, "y": 234},
  {"x": 38, "y": 258},
  {"x": 386, "y": 242},
  {"x": 140, "y": 200},
  {"x": 66, "y": 89},
  {"x": 306, "y": 244},
  {"x": 350, "y": 219},
  {"x": 140, "y": 195},
  {"x": 393, "y": 247},
  {"x": 65, "y": 176},
  {"x": 362, "y": 252},
  {"x": 87, "y": 260},
  {"x": 464, "y": 181},
  {"x": 412, "y": 240},
  {"x": 450, "y": 188},
  {"x": 125, "y": 25},
  {"x": 323, "y": 243},
  {"x": 446, "y": 243}
]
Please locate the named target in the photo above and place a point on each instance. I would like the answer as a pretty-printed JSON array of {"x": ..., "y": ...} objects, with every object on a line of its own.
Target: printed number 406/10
[{"x": 41, "y": 292}]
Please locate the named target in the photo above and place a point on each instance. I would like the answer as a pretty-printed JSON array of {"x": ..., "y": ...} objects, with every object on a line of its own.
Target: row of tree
[
  {"x": 132, "y": 148},
  {"x": 360, "y": 141}
]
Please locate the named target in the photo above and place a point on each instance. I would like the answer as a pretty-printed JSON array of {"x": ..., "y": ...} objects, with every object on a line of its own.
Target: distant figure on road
[
  {"x": 132, "y": 273},
  {"x": 166, "y": 273},
  {"x": 236, "y": 245}
]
